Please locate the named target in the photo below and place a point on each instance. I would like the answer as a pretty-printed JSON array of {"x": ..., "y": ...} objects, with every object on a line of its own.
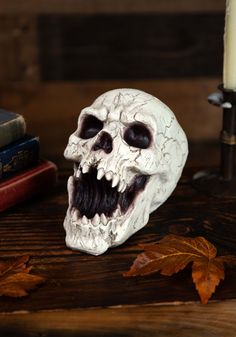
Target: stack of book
[{"x": 22, "y": 173}]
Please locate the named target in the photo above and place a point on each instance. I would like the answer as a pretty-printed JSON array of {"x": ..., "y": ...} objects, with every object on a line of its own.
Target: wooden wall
[{"x": 56, "y": 56}]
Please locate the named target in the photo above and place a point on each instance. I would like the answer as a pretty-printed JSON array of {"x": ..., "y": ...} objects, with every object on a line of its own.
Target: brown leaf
[
  {"x": 173, "y": 253},
  {"x": 206, "y": 275},
  {"x": 170, "y": 255},
  {"x": 15, "y": 280}
]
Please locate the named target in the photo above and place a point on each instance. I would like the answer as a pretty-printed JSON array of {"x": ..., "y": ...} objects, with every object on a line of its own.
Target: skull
[{"x": 128, "y": 153}]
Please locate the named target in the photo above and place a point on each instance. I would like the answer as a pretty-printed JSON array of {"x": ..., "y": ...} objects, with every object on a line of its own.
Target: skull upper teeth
[
  {"x": 85, "y": 168},
  {"x": 100, "y": 173},
  {"x": 77, "y": 171},
  {"x": 122, "y": 186},
  {"x": 110, "y": 176},
  {"x": 115, "y": 180},
  {"x": 70, "y": 186}
]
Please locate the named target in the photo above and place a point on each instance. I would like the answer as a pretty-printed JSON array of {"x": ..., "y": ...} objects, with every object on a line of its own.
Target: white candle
[{"x": 229, "y": 72}]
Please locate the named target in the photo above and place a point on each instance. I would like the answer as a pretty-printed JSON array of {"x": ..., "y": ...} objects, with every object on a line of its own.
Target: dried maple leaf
[
  {"x": 15, "y": 280},
  {"x": 173, "y": 253}
]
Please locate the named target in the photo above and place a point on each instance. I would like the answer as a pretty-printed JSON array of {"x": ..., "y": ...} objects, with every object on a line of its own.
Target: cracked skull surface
[{"x": 128, "y": 152}]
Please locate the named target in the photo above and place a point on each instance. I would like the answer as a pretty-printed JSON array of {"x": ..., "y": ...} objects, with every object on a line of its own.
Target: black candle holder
[{"x": 222, "y": 183}]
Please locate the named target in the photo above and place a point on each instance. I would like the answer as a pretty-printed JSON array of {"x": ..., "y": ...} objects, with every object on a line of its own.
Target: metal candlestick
[{"x": 223, "y": 182}]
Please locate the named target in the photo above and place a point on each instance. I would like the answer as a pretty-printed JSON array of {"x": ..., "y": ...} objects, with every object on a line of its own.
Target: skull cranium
[{"x": 128, "y": 153}]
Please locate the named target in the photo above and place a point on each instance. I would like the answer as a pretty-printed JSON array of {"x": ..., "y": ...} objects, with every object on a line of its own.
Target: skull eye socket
[
  {"x": 90, "y": 127},
  {"x": 138, "y": 135}
]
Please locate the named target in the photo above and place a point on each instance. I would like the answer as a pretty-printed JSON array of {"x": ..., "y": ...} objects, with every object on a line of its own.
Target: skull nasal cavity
[{"x": 104, "y": 143}]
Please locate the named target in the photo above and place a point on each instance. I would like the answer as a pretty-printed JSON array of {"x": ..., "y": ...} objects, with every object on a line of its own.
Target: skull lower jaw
[
  {"x": 97, "y": 211},
  {"x": 96, "y": 240}
]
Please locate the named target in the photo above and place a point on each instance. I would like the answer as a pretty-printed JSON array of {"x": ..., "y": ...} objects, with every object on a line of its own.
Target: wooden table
[{"x": 88, "y": 296}]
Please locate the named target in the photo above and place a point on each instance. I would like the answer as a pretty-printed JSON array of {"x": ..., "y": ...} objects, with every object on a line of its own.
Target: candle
[{"x": 229, "y": 72}]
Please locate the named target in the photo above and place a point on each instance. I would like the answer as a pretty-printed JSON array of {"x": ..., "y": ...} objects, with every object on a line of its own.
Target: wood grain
[
  {"x": 215, "y": 319},
  {"x": 88, "y": 296},
  {"x": 77, "y": 280},
  {"x": 51, "y": 110},
  {"x": 107, "y": 6}
]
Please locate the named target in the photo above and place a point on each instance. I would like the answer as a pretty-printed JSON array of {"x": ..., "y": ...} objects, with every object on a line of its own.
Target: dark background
[
  {"x": 130, "y": 46},
  {"x": 57, "y": 56}
]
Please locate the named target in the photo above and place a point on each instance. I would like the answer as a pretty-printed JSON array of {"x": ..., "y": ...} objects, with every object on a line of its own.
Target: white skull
[{"x": 128, "y": 153}]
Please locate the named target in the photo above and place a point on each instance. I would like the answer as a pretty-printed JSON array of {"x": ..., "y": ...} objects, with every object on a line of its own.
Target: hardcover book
[
  {"x": 12, "y": 127},
  {"x": 18, "y": 155},
  {"x": 37, "y": 180}
]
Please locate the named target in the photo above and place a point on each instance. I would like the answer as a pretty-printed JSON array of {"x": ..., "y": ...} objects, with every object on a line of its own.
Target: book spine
[
  {"x": 35, "y": 181},
  {"x": 12, "y": 130},
  {"x": 19, "y": 156}
]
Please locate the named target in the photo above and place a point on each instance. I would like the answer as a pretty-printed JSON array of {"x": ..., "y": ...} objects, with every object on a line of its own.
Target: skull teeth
[
  {"x": 122, "y": 186},
  {"x": 100, "y": 173},
  {"x": 84, "y": 220},
  {"x": 70, "y": 187},
  {"x": 115, "y": 180},
  {"x": 76, "y": 215},
  {"x": 103, "y": 219},
  {"x": 108, "y": 176},
  {"x": 116, "y": 213},
  {"x": 96, "y": 220},
  {"x": 77, "y": 171},
  {"x": 85, "y": 168}
]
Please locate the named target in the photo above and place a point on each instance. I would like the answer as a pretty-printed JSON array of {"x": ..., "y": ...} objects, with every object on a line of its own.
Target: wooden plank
[
  {"x": 18, "y": 49},
  {"x": 131, "y": 46},
  {"x": 215, "y": 319},
  {"x": 107, "y": 6},
  {"x": 49, "y": 106},
  {"x": 77, "y": 280}
]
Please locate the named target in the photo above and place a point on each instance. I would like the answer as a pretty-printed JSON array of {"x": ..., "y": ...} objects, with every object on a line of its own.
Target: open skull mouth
[{"x": 100, "y": 196}]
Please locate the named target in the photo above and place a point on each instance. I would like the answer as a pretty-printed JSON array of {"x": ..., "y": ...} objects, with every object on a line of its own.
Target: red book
[{"x": 27, "y": 184}]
